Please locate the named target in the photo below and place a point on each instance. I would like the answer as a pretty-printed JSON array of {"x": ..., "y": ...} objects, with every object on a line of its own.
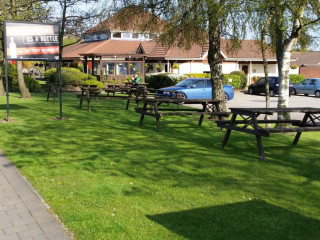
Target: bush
[
  {"x": 70, "y": 76},
  {"x": 163, "y": 80},
  {"x": 236, "y": 80},
  {"x": 243, "y": 78},
  {"x": 295, "y": 78},
  {"x": 199, "y": 75},
  {"x": 32, "y": 84},
  {"x": 93, "y": 82}
]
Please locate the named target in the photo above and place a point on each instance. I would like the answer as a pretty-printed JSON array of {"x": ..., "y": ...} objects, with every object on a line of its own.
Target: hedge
[
  {"x": 93, "y": 82},
  {"x": 236, "y": 80},
  {"x": 70, "y": 76},
  {"x": 198, "y": 75},
  {"x": 32, "y": 84},
  {"x": 295, "y": 78},
  {"x": 163, "y": 80},
  {"x": 243, "y": 77}
]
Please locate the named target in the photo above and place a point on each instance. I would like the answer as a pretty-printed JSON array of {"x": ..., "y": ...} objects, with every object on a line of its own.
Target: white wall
[
  {"x": 257, "y": 70},
  {"x": 193, "y": 68},
  {"x": 229, "y": 67}
]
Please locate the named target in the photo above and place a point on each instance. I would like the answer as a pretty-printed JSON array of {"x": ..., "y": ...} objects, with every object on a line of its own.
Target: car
[
  {"x": 194, "y": 88},
  {"x": 308, "y": 86},
  {"x": 259, "y": 86}
]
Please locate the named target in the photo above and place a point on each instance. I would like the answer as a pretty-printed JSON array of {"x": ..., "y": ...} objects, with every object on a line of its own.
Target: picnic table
[
  {"x": 151, "y": 108},
  {"x": 129, "y": 94},
  {"x": 249, "y": 118}
]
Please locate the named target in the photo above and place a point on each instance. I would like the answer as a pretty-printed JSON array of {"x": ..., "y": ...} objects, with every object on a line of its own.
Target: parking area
[{"x": 243, "y": 99}]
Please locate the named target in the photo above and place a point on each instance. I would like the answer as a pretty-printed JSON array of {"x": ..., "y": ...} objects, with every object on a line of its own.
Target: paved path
[{"x": 23, "y": 213}]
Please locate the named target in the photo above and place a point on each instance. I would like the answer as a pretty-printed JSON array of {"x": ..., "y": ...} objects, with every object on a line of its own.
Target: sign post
[{"x": 26, "y": 41}]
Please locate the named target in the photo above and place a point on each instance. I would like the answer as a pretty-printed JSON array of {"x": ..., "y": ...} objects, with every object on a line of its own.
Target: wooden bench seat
[{"x": 227, "y": 122}]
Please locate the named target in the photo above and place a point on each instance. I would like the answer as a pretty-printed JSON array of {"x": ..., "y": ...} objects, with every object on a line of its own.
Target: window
[
  {"x": 122, "y": 68},
  {"x": 126, "y": 35},
  {"x": 135, "y": 35},
  {"x": 135, "y": 68},
  {"x": 304, "y": 82},
  {"x": 209, "y": 83},
  {"x": 199, "y": 84},
  {"x": 116, "y": 35},
  {"x": 108, "y": 68},
  {"x": 313, "y": 82}
]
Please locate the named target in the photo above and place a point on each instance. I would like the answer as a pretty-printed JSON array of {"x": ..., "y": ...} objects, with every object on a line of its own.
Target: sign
[{"x": 31, "y": 41}]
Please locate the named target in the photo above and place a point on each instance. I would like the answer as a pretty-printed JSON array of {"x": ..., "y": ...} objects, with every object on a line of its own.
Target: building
[{"x": 108, "y": 51}]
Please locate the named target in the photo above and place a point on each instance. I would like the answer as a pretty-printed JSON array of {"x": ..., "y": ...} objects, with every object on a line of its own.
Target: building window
[
  {"x": 122, "y": 68},
  {"x": 135, "y": 35},
  {"x": 116, "y": 35},
  {"x": 126, "y": 35}
]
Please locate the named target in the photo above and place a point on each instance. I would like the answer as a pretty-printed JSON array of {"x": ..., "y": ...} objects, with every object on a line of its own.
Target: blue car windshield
[{"x": 185, "y": 83}]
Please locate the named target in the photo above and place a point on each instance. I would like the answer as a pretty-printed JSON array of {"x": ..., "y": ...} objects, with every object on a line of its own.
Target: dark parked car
[
  {"x": 308, "y": 86},
  {"x": 194, "y": 88},
  {"x": 259, "y": 86}
]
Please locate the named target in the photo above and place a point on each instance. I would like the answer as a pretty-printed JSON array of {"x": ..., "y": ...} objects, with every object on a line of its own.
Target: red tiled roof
[
  {"x": 154, "y": 50},
  {"x": 306, "y": 58},
  {"x": 107, "y": 47},
  {"x": 249, "y": 49}
]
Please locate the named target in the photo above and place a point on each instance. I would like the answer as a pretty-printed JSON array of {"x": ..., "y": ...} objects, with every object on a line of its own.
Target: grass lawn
[{"x": 107, "y": 178}]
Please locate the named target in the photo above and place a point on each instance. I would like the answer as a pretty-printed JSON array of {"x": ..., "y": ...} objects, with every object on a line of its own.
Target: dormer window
[{"x": 126, "y": 35}]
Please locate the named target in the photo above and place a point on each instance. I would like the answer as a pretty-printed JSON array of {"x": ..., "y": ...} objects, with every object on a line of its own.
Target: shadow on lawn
[
  {"x": 244, "y": 220},
  {"x": 12, "y": 106}
]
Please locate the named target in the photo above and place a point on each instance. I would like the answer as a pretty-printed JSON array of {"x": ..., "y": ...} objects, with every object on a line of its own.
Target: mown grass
[{"x": 107, "y": 178}]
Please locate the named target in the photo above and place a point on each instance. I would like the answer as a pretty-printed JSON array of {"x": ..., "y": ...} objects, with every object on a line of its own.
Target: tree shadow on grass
[
  {"x": 243, "y": 220},
  {"x": 12, "y": 106}
]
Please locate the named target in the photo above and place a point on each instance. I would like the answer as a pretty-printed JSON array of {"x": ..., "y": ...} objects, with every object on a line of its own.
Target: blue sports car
[{"x": 194, "y": 88}]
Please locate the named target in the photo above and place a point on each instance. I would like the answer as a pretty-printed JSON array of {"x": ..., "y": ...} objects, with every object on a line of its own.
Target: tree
[
  {"x": 74, "y": 21},
  {"x": 21, "y": 10},
  {"x": 288, "y": 26},
  {"x": 193, "y": 22}
]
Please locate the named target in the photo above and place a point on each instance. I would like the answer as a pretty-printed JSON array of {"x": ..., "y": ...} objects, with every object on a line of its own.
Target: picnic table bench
[
  {"x": 151, "y": 108},
  {"x": 309, "y": 122},
  {"x": 132, "y": 94}
]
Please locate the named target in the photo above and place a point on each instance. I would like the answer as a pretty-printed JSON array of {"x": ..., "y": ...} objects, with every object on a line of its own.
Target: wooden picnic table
[
  {"x": 249, "y": 118},
  {"x": 151, "y": 108},
  {"x": 132, "y": 94}
]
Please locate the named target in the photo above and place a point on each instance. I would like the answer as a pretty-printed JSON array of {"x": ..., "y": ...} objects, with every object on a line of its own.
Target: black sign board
[{"x": 31, "y": 41}]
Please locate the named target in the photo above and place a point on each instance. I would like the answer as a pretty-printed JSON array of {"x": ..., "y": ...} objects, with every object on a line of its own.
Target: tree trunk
[
  {"x": 2, "y": 91},
  {"x": 23, "y": 89},
  {"x": 215, "y": 60}
]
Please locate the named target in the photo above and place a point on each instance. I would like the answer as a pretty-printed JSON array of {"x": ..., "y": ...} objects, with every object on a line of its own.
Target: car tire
[
  {"x": 250, "y": 91},
  {"x": 271, "y": 93},
  {"x": 295, "y": 92},
  {"x": 226, "y": 97},
  {"x": 181, "y": 95},
  {"x": 317, "y": 94}
]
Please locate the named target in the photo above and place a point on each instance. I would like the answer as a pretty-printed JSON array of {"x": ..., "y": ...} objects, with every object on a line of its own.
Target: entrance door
[{"x": 245, "y": 69}]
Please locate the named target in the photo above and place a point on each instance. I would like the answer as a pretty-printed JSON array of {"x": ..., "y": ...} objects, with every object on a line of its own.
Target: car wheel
[
  {"x": 181, "y": 95},
  {"x": 250, "y": 91},
  {"x": 226, "y": 97},
  {"x": 317, "y": 93},
  {"x": 271, "y": 93},
  {"x": 294, "y": 92}
]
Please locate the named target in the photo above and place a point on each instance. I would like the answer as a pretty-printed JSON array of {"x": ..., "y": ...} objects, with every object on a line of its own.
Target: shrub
[
  {"x": 175, "y": 66},
  {"x": 163, "y": 80},
  {"x": 70, "y": 76},
  {"x": 198, "y": 75},
  {"x": 32, "y": 84},
  {"x": 294, "y": 66},
  {"x": 159, "y": 67},
  {"x": 295, "y": 78},
  {"x": 243, "y": 78},
  {"x": 236, "y": 80},
  {"x": 93, "y": 82}
]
